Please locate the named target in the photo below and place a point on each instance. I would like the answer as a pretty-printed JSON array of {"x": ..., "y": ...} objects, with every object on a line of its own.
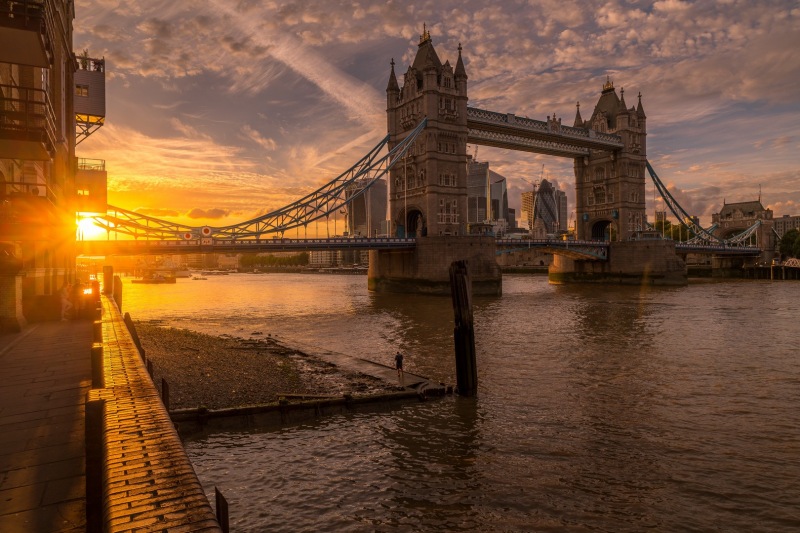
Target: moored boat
[{"x": 155, "y": 278}]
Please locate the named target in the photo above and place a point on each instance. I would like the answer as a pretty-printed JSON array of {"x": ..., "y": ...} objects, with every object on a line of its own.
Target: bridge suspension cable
[
  {"x": 701, "y": 235},
  {"x": 319, "y": 204}
]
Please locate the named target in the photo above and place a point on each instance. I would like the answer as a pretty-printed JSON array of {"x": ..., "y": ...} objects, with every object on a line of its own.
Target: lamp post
[{"x": 405, "y": 195}]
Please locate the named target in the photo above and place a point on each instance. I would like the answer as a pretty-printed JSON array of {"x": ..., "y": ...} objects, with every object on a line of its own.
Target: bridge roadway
[
  {"x": 212, "y": 245},
  {"x": 717, "y": 249},
  {"x": 575, "y": 249}
]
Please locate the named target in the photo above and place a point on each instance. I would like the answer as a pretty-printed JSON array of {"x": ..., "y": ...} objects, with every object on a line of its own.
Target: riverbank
[{"x": 210, "y": 372}]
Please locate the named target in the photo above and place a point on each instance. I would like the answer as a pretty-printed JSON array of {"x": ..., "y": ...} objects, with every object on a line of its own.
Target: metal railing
[
  {"x": 91, "y": 164},
  {"x": 11, "y": 189},
  {"x": 27, "y": 113},
  {"x": 32, "y": 15}
]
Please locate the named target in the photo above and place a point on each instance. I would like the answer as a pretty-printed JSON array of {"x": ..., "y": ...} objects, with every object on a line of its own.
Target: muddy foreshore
[{"x": 210, "y": 372}]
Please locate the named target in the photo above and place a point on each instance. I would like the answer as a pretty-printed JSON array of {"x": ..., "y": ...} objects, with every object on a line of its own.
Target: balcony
[
  {"x": 90, "y": 96},
  {"x": 27, "y": 124},
  {"x": 91, "y": 184},
  {"x": 26, "y": 32},
  {"x": 27, "y": 211}
]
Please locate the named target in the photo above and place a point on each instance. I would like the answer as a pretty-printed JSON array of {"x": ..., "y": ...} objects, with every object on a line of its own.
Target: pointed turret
[
  {"x": 622, "y": 106},
  {"x": 392, "y": 86},
  {"x": 578, "y": 119},
  {"x": 639, "y": 108},
  {"x": 461, "y": 72},
  {"x": 426, "y": 57}
]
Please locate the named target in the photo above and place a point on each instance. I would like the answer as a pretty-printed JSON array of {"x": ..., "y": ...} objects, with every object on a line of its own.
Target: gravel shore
[{"x": 217, "y": 372}]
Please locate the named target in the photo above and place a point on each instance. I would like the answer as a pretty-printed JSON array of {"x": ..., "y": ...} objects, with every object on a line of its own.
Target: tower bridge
[{"x": 429, "y": 124}]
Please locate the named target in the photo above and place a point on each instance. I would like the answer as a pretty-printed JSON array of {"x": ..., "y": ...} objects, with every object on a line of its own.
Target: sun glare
[{"x": 88, "y": 230}]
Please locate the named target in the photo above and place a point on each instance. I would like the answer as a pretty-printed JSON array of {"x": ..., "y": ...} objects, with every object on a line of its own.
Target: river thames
[{"x": 600, "y": 408}]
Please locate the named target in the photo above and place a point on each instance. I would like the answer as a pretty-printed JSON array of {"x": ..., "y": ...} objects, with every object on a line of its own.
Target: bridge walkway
[{"x": 45, "y": 373}]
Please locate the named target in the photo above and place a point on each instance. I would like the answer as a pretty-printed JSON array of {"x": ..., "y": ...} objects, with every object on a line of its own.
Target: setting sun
[{"x": 88, "y": 230}]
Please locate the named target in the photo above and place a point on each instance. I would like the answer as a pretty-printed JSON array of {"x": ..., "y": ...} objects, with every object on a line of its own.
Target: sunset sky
[{"x": 218, "y": 111}]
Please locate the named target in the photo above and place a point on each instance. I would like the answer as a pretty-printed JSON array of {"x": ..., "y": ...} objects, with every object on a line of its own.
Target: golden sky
[{"x": 220, "y": 111}]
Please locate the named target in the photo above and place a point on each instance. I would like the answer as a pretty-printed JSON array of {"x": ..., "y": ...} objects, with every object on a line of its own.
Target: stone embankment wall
[{"x": 138, "y": 475}]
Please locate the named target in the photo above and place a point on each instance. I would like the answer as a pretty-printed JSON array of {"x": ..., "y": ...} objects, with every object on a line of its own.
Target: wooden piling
[
  {"x": 95, "y": 458},
  {"x": 222, "y": 511},
  {"x": 463, "y": 332},
  {"x": 165, "y": 393}
]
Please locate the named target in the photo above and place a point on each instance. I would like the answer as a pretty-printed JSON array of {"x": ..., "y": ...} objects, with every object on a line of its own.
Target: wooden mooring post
[
  {"x": 165, "y": 393},
  {"x": 222, "y": 511},
  {"x": 463, "y": 332}
]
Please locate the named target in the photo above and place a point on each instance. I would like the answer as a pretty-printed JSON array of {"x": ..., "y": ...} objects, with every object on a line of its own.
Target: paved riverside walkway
[
  {"x": 45, "y": 373},
  {"x": 148, "y": 483}
]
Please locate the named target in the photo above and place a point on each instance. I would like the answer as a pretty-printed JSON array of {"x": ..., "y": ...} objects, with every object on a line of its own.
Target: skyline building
[
  {"x": 487, "y": 195},
  {"x": 545, "y": 206},
  {"x": 366, "y": 215}
]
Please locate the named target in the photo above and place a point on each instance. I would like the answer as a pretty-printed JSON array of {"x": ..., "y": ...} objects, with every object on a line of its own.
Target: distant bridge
[
  {"x": 228, "y": 246},
  {"x": 574, "y": 249},
  {"x": 143, "y": 235}
]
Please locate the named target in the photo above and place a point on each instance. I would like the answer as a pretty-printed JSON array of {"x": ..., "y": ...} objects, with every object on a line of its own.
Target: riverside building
[
  {"x": 37, "y": 157},
  {"x": 42, "y": 183}
]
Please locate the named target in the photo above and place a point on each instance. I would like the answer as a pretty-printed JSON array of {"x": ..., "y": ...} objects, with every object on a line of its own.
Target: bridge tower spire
[
  {"x": 428, "y": 189},
  {"x": 610, "y": 185}
]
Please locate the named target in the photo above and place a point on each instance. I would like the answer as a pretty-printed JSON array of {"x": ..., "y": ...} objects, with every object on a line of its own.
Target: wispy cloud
[{"x": 229, "y": 100}]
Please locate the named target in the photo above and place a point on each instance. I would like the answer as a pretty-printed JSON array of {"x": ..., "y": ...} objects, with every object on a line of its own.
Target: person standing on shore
[{"x": 398, "y": 364}]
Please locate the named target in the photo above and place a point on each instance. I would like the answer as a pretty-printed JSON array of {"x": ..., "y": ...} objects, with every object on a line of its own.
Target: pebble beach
[{"x": 220, "y": 372}]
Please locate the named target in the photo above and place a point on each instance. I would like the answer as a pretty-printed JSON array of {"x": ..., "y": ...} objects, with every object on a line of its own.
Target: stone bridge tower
[
  {"x": 428, "y": 190},
  {"x": 610, "y": 186}
]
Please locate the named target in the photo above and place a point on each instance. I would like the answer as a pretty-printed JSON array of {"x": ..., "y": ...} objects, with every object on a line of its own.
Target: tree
[{"x": 790, "y": 244}]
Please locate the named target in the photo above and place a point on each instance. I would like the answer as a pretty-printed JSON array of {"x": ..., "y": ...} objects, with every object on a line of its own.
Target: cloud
[
  {"x": 157, "y": 212},
  {"x": 277, "y": 98},
  {"x": 214, "y": 213},
  {"x": 250, "y": 134}
]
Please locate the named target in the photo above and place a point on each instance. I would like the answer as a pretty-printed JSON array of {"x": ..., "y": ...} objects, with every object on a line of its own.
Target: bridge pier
[
  {"x": 727, "y": 266},
  {"x": 646, "y": 262},
  {"x": 426, "y": 269}
]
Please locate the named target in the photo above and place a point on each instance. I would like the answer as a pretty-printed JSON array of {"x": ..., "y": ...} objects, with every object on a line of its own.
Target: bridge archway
[
  {"x": 603, "y": 230},
  {"x": 413, "y": 224}
]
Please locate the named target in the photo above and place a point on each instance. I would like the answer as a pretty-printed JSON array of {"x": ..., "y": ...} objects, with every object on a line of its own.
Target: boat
[
  {"x": 155, "y": 278},
  {"x": 201, "y": 278}
]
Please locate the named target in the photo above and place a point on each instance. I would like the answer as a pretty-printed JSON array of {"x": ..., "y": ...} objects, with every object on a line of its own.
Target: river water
[{"x": 600, "y": 408}]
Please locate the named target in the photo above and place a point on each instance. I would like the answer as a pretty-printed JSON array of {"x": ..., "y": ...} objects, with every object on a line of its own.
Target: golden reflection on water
[{"x": 599, "y": 407}]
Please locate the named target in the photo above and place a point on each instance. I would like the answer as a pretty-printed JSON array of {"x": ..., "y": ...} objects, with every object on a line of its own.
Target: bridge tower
[
  {"x": 428, "y": 191},
  {"x": 610, "y": 186}
]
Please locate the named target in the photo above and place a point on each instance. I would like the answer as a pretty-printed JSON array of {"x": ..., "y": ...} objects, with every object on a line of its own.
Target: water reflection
[
  {"x": 441, "y": 445},
  {"x": 599, "y": 408}
]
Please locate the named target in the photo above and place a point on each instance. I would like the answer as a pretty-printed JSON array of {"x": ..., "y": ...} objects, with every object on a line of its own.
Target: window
[
  {"x": 81, "y": 90},
  {"x": 599, "y": 173}
]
